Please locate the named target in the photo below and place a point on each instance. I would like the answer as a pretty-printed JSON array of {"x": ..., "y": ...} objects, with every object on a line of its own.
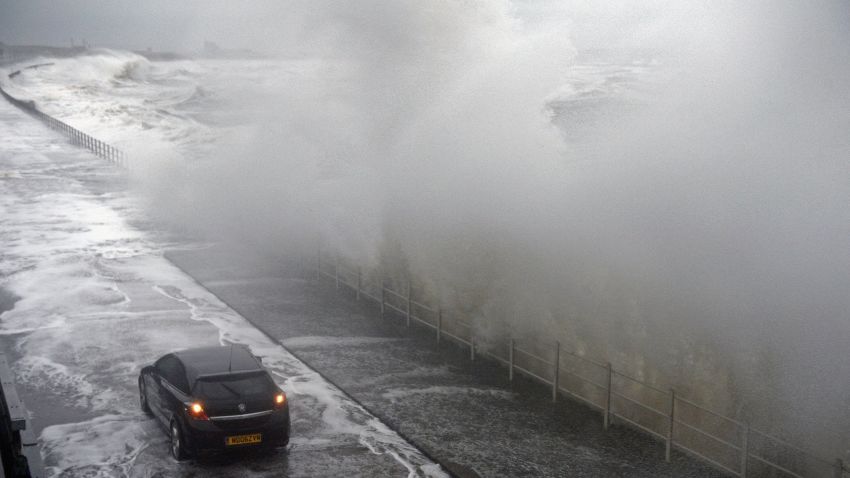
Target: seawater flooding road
[
  {"x": 87, "y": 300},
  {"x": 465, "y": 414}
]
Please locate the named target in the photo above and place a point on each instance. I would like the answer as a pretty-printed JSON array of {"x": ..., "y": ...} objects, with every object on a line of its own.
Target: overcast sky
[
  {"x": 276, "y": 25},
  {"x": 160, "y": 24},
  {"x": 298, "y": 26}
]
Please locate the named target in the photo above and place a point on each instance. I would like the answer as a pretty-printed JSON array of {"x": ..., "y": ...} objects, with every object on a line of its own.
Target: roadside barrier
[
  {"x": 679, "y": 423},
  {"x": 19, "y": 448},
  {"x": 77, "y": 137}
]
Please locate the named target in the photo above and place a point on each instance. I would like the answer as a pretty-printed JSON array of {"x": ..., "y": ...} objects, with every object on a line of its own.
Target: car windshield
[{"x": 236, "y": 386}]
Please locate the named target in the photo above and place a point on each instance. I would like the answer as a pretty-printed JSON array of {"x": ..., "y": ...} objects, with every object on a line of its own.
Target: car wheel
[
  {"x": 178, "y": 446},
  {"x": 143, "y": 398}
]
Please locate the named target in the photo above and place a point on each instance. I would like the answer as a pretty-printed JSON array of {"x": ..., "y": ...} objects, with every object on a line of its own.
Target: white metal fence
[
  {"x": 77, "y": 137},
  {"x": 679, "y": 423}
]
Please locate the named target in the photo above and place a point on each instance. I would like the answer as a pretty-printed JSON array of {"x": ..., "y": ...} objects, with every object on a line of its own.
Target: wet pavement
[
  {"x": 466, "y": 415},
  {"x": 95, "y": 299},
  {"x": 87, "y": 299}
]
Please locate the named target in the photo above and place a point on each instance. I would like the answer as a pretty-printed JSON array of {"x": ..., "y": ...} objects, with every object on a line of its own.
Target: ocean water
[{"x": 184, "y": 107}]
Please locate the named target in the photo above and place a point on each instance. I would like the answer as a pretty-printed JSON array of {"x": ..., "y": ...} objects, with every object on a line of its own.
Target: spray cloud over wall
[{"x": 699, "y": 240}]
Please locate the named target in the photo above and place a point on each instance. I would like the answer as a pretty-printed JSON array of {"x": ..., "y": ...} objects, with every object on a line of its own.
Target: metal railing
[
  {"x": 19, "y": 450},
  {"x": 77, "y": 137},
  {"x": 680, "y": 424}
]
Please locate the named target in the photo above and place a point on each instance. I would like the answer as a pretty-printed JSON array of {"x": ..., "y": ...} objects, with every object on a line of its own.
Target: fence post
[
  {"x": 745, "y": 450},
  {"x": 471, "y": 346},
  {"x": 511, "y": 361},
  {"x": 383, "y": 300},
  {"x": 359, "y": 281},
  {"x": 669, "y": 447},
  {"x": 439, "y": 324},
  {"x": 556, "y": 371},
  {"x": 839, "y": 468},
  {"x": 606, "y": 419},
  {"x": 336, "y": 271},
  {"x": 409, "y": 293}
]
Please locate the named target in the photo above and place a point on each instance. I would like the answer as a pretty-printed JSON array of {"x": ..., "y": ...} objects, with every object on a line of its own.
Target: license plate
[{"x": 244, "y": 439}]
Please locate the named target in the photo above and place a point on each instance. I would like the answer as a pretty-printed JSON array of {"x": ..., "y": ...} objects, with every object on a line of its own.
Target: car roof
[{"x": 217, "y": 360}]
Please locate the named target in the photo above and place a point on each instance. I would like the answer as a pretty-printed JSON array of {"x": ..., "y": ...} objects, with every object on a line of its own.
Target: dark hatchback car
[{"x": 215, "y": 398}]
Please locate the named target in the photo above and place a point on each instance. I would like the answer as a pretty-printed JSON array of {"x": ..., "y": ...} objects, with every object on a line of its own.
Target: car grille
[
  {"x": 231, "y": 407},
  {"x": 241, "y": 424}
]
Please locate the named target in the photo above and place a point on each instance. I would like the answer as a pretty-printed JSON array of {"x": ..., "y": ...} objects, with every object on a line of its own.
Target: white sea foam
[
  {"x": 42, "y": 372},
  {"x": 98, "y": 300},
  {"x": 106, "y": 446}
]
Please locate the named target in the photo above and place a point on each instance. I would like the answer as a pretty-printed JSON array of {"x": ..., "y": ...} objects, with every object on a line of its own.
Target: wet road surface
[
  {"x": 92, "y": 299},
  {"x": 88, "y": 299},
  {"x": 465, "y": 414}
]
